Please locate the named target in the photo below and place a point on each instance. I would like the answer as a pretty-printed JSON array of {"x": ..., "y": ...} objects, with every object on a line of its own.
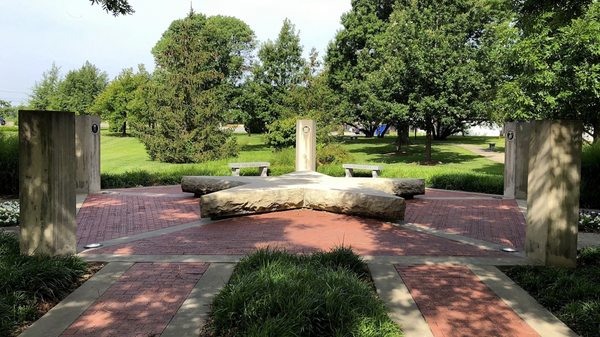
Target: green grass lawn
[{"x": 121, "y": 155}]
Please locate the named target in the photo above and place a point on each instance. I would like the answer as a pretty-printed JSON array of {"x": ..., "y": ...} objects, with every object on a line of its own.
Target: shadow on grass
[{"x": 411, "y": 154}]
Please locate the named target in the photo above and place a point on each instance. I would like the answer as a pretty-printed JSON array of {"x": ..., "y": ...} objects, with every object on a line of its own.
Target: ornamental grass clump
[
  {"x": 9, "y": 213},
  {"x": 275, "y": 293},
  {"x": 30, "y": 283}
]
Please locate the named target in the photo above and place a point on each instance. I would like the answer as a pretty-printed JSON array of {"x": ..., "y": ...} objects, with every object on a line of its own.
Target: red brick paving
[
  {"x": 141, "y": 303},
  {"x": 455, "y": 303},
  {"x": 492, "y": 220},
  {"x": 110, "y": 216},
  {"x": 298, "y": 231}
]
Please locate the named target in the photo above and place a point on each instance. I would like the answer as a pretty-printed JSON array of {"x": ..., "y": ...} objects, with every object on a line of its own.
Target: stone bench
[
  {"x": 263, "y": 168},
  {"x": 349, "y": 168},
  {"x": 492, "y": 146}
]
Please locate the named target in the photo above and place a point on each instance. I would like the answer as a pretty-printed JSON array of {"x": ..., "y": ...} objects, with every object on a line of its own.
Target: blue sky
[{"x": 35, "y": 33}]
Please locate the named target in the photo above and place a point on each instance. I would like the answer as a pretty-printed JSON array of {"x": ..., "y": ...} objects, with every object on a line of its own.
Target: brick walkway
[
  {"x": 456, "y": 304},
  {"x": 144, "y": 300},
  {"x": 110, "y": 216},
  {"x": 140, "y": 303},
  {"x": 297, "y": 231},
  {"x": 493, "y": 220}
]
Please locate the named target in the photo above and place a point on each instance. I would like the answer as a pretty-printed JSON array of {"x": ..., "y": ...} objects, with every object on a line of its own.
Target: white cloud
[{"x": 35, "y": 33}]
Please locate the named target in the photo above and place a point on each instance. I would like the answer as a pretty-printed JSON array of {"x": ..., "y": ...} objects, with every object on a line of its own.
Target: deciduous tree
[{"x": 124, "y": 99}]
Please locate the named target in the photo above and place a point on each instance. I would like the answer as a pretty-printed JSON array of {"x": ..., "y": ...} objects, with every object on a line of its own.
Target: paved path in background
[
  {"x": 491, "y": 155},
  {"x": 167, "y": 263}
]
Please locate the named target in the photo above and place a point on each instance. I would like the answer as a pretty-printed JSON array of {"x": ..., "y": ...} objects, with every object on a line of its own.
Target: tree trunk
[
  {"x": 428, "y": 137},
  {"x": 403, "y": 137},
  {"x": 596, "y": 135},
  {"x": 124, "y": 129},
  {"x": 368, "y": 132},
  {"x": 381, "y": 135}
]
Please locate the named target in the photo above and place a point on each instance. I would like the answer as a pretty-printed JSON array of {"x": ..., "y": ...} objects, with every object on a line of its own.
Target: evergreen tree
[
  {"x": 198, "y": 61},
  {"x": 44, "y": 93},
  {"x": 281, "y": 69}
]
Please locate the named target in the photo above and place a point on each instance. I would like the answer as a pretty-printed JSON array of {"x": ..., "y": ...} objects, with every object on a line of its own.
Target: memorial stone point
[{"x": 232, "y": 196}]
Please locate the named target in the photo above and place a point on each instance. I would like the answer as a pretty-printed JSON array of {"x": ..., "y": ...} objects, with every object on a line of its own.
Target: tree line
[{"x": 438, "y": 65}]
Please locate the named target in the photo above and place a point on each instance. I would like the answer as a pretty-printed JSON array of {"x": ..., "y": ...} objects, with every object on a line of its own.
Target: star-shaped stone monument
[{"x": 371, "y": 197}]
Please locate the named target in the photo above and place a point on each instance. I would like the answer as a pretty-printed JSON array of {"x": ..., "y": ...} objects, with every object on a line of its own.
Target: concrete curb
[
  {"x": 193, "y": 313},
  {"x": 492, "y": 261},
  {"x": 59, "y": 318},
  {"x": 533, "y": 313},
  {"x": 458, "y": 238},
  {"x": 402, "y": 309},
  {"x": 151, "y": 234}
]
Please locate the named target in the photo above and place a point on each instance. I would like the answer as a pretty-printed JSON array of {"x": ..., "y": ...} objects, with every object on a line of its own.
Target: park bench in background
[
  {"x": 263, "y": 168},
  {"x": 492, "y": 146},
  {"x": 349, "y": 168}
]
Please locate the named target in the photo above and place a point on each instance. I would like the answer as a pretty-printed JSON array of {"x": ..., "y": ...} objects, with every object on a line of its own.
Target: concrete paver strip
[
  {"x": 459, "y": 238},
  {"x": 193, "y": 313},
  {"x": 402, "y": 308},
  {"x": 68, "y": 310},
  {"x": 152, "y": 234},
  {"x": 533, "y": 313}
]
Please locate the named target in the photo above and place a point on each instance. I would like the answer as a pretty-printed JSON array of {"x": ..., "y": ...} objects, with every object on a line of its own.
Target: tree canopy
[
  {"x": 554, "y": 66},
  {"x": 115, "y": 7},
  {"x": 199, "y": 62},
  {"x": 124, "y": 99}
]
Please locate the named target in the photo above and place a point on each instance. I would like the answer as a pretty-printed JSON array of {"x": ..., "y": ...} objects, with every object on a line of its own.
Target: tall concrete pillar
[
  {"x": 87, "y": 154},
  {"x": 306, "y": 145},
  {"x": 516, "y": 159},
  {"x": 553, "y": 192},
  {"x": 47, "y": 191}
]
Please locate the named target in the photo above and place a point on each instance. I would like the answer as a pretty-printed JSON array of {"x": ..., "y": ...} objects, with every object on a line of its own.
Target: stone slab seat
[
  {"x": 349, "y": 169},
  {"x": 234, "y": 196},
  {"x": 263, "y": 167}
]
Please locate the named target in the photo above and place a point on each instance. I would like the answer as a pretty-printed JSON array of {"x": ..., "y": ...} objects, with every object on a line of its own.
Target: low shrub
[
  {"x": 274, "y": 293},
  {"x": 333, "y": 153},
  {"x": 29, "y": 282},
  {"x": 572, "y": 295},
  {"x": 281, "y": 133},
  {"x": 9, "y": 163},
  {"x": 9, "y": 213},
  {"x": 589, "y": 221},
  {"x": 590, "y": 176},
  {"x": 482, "y": 183}
]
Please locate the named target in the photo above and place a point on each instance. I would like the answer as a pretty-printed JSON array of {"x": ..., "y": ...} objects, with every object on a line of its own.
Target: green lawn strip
[
  {"x": 274, "y": 293},
  {"x": 571, "y": 295},
  {"x": 126, "y": 164},
  {"x": 31, "y": 285}
]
